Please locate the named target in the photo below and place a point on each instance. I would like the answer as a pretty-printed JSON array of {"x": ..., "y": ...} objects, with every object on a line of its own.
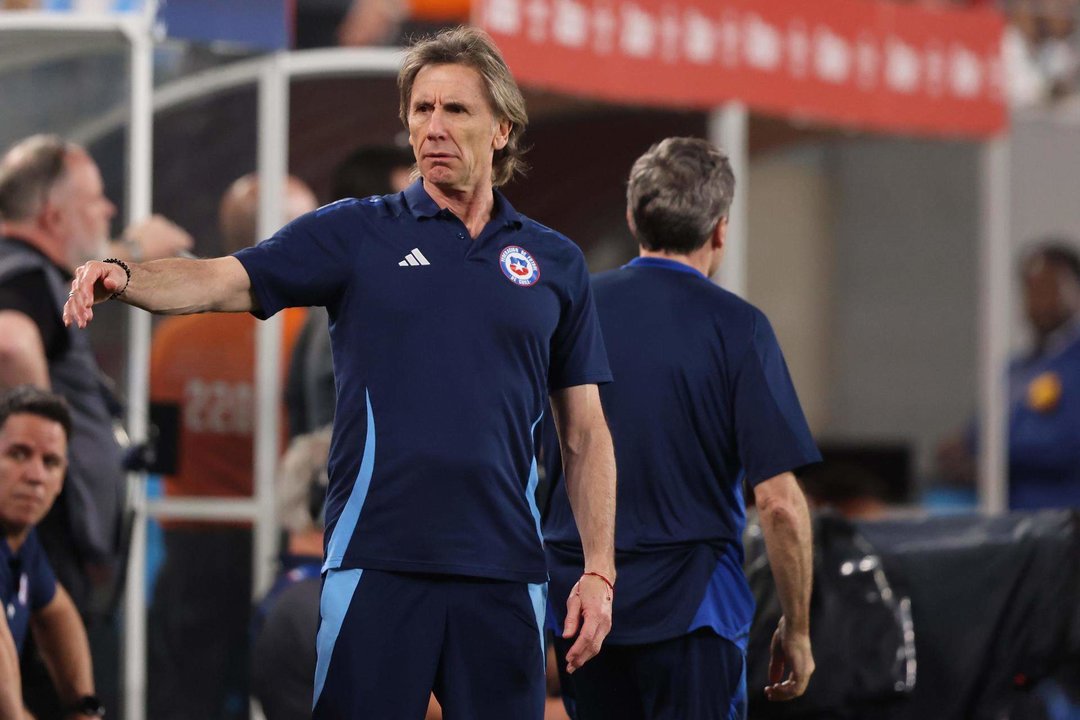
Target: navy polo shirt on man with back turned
[
  {"x": 445, "y": 349},
  {"x": 702, "y": 399}
]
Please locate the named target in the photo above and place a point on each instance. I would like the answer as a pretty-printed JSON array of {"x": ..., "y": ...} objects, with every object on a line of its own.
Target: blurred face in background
[
  {"x": 78, "y": 211},
  {"x": 1051, "y": 295}
]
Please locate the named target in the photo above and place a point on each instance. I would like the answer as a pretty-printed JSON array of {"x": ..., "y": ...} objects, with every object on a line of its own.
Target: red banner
[{"x": 860, "y": 63}]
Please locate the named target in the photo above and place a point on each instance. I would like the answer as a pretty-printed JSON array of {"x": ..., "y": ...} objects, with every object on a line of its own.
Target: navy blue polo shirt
[
  {"x": 445, "y": 348},
  {"x": 702, "y": 399},
  {"x": 27, "y": 584}
]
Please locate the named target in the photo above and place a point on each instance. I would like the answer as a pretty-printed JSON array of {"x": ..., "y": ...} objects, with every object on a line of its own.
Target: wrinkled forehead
[{"x": 449, "y": 81}]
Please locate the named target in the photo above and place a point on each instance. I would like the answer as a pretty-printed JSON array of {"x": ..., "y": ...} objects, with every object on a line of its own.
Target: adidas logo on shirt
[{"x": 415, "y": 257}]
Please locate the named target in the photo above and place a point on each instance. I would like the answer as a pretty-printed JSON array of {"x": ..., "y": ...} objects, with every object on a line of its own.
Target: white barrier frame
[{"x": 136, "y": 31}]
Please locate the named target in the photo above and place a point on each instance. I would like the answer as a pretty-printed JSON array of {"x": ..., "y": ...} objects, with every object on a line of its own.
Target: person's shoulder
[
  {"x": 738, "y": 318},
  {"x": 348, "y": 209},
  {"x": 701, "y": 291},
  {"x": 21, "y": 261},
  {"x": 548, "y": 238},
  {"x": 1072, "y": 350},
  {"x": 33, "y": 553},
  {"x": 553, "y": 247}
]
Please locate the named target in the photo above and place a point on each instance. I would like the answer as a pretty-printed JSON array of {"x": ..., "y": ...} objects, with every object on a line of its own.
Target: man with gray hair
[
  {"x": 703, "y": 401},
  {"x": 453, "y": 319},
  {"x": 53, "y": 216}
]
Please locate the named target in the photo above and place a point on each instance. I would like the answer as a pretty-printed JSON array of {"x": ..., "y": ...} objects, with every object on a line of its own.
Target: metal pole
[
  {"x": 273, "y": 138},
  {"x": 994, "y": 308},
  {"x": 139, "y": 201},
  {"x": 272, "y": 167},
  {"x": 728, "y": 128}
]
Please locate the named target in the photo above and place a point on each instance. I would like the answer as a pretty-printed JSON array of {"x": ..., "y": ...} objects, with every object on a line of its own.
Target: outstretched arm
[
  {"x": 176, "y": 286},
  {"x": 785, "y": 523},
  {"x": 589, "y": 467}
]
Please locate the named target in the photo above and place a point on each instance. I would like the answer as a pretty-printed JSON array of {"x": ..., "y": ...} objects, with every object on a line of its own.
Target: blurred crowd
[{"x": 1041, "y": 51}]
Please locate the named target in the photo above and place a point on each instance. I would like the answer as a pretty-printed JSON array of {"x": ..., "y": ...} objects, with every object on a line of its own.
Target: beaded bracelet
[{"x": 127, "y": 271}]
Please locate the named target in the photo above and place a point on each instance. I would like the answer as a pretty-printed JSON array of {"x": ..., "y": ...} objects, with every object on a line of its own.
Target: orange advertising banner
[{"x": 866, "y": 64}]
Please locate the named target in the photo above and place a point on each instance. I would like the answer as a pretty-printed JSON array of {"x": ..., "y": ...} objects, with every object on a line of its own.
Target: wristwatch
[{"x": 88, "y": 705}]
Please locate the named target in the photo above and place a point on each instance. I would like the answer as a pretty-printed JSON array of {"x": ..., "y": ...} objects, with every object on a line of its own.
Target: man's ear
[
  {"x": 502, "y": 134},
  {"x": 719, "y": 237},
  {"x": 50, "y": 217}
]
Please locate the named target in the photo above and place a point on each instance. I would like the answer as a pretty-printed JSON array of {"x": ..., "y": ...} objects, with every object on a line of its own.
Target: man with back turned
[{"x": 702, "y": 401}]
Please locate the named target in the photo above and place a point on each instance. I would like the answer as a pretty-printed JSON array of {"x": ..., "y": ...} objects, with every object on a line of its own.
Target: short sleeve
[
  {"x": 770, "y": 428},
  {"x": 40, "y": 577},
  {"x": 305, "y": 263},
  {"x": 578, "y": 356}
]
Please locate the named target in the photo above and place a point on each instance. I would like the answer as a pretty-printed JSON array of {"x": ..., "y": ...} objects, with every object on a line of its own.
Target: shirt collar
[
  {"x": 420, "y": 204},
  {"x": 667, "y": 264},
  {"x": 1060, "y": 340}
]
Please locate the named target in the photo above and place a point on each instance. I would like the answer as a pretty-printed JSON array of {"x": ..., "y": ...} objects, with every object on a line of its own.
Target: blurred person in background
[
  {"x": 202, "y": 389},
  {"x": 1044, "y": 389},
  {"x": 322, "y": 23},
  {"x": 284, "y": 627},
  {"x": 309, "y": 388},
  {"x": 702, "y": 400},
  {"x": 287, "y": 619},
  {"x": 1040, "y": 51},
  {"x": 448, "y": 342},
  {"x": 847, "y": 488},
  {"x": 53, "y": 216},
  {"x": 34, "y": 429}
]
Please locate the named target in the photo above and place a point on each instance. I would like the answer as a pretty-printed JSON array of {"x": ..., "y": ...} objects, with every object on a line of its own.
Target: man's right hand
[
  {"x": 790, "y": 652},
  {"x": 94, "y": 282}
]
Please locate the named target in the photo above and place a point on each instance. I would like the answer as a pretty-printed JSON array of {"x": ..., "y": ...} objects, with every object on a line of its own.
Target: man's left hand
[{"x": 588, "y": 608}]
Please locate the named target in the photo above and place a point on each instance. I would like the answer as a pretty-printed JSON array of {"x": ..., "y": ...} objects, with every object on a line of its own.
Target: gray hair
[
  {"x": 679, "y": 190},
  {"x": 28, "y": 171},
  {"x": 473, "y": 48}
]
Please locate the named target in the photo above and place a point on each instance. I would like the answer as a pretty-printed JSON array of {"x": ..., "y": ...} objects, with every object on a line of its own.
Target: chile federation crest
[{"x": 518, "y": 266}]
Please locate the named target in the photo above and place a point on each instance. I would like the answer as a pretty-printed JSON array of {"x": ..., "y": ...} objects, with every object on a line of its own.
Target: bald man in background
[{"x": 202, "y": 394}]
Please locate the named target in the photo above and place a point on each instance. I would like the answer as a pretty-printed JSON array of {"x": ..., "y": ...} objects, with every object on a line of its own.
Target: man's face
[
  {"x": 80, "y": 212},
  {"x": 452, "y": 129},
  {"x": 1051, "y": 295},
  {"x": 33, "y": 460}
]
